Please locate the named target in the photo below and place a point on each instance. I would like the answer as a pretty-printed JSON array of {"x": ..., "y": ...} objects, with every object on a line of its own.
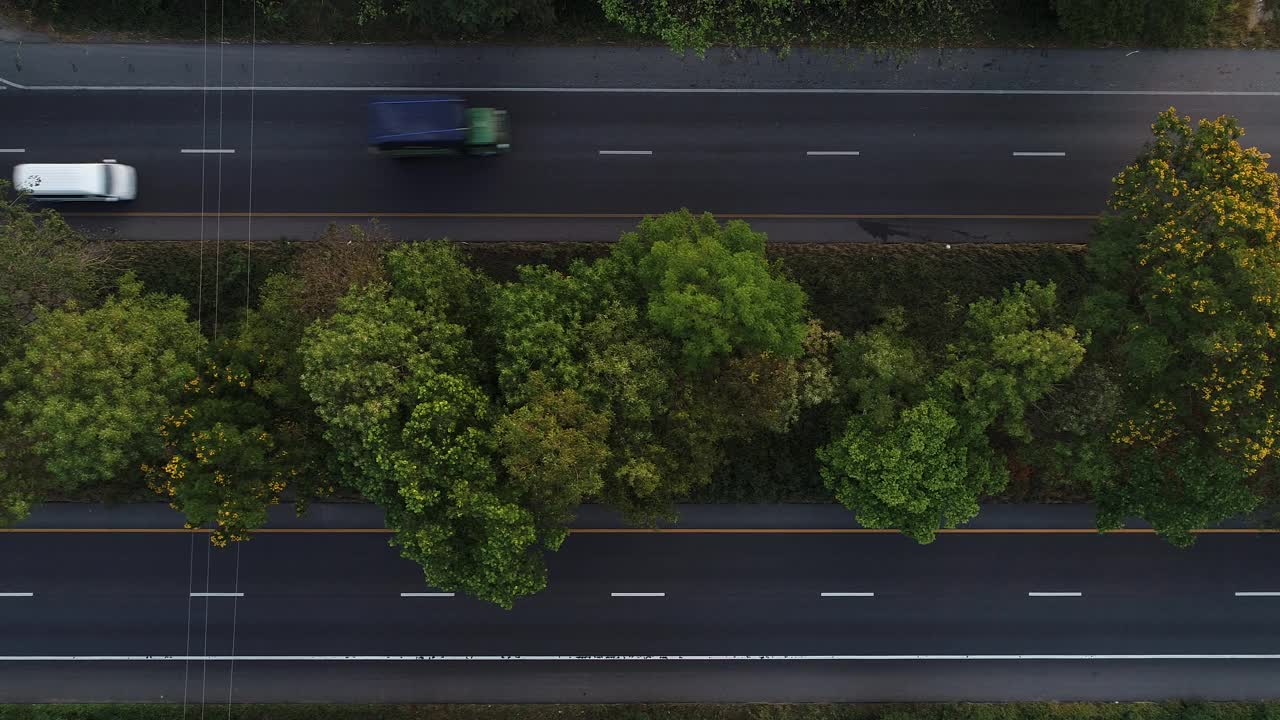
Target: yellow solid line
[
  {"x": 679, "y": 531},
  {"x": 583, "y": 216}
]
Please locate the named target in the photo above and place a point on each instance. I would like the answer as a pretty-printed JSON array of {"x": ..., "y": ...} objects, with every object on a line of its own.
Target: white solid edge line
[
  {"x": 208, "y": 151},
  {"x": 848, "y": 594},
  {"x": 426, "y": 594},
  {"x": 832, "y": 152},
  {"x": 1039, "y": 154},
  {"x": 681, "y": 91},
  {"x": 626, "y": 152},
  {"x": 213, "y": 594},
  {"x": 638, "y": 594},
  {"x": 1267, "y": 593},
  {"x": 17, "y": 594},
  {"x": 1055, "y": 594},
  {"x": 615, "y": 658},
  {"x": 13, "y": 150},
  {"x": 108, "y": 160}
]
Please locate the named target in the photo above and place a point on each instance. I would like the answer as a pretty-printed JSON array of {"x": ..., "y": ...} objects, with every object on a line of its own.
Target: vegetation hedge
[
  {"x": 846, "y": 283},
  {"x": 690, "y": 24}
]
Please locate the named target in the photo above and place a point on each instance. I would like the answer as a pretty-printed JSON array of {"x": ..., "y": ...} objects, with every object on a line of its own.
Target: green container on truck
[{"x": 435, "y": 125}]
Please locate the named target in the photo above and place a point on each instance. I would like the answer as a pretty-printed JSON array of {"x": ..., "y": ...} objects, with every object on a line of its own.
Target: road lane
[
  {"x": 918, "y": 154},
  {"x": 743, "y": 594}
]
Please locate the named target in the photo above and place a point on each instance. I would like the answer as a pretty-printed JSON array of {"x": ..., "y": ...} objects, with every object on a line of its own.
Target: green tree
[
  {"x": 88, "y": 390},
  {"x": 684, "y": 337},
  {"x": 400, "y": 390},
  {"x": 1011, "y": 353},
  {"x": 1185, "y": 310},
  {"x": 710, "y": 288},
  {"x": 229, "y": 450},
  {"x": 919, "y": 447},
  {"x": 559, "y": 334},
  {"x": 916, "y": 474},
  {"x": 43, "y": 263},
  {"x": 215, "y": 463},
  {"x": 268, "y": 346},
  {"x": 554, "y": 449}
]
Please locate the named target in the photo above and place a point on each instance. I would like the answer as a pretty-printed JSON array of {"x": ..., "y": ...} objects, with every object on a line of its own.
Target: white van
[{"x": 104, "y": 182}]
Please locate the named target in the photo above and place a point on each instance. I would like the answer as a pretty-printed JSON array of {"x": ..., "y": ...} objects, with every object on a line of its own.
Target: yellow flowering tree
[
  {"x": 223, "y": 464},
  {"x": 1186, "y": 309}
]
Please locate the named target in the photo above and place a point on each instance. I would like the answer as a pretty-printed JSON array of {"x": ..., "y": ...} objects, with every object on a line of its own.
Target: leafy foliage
[
  {"x": 454, "y": 16},
  {"x": 43, "y": 263},
  {"x": 304, "y": 19},
  {"x": 918, "y": 451},
  {"x": 561, "y": 334},
  {"x": 83, "y": 398},
  {"x": 554, "y": 451},
  {"x": 398, "y": 387},
  {"x": 1162, "y": 22},
  {"x": 220, "y": 459},
  {"x": 1186, "y": 310},
  {"x": 683, "y": 337},
  {"x": 699, "y": 24},
  {"x": 230, "y": 451},
  {"x": 710, "y": 287}
]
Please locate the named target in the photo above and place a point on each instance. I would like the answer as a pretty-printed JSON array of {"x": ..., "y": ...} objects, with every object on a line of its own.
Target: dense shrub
[
  {"x": 1169, "y": 23},
  {"x": 680, "y": 24},
  {"x": 699, "y": 24},
  {"x": 333, "y": 20}
]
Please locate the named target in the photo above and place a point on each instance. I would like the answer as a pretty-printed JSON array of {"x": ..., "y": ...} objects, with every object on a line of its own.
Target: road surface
[
  {"x": 650, "y": 616},
  {"x": 921, "y": 159}
]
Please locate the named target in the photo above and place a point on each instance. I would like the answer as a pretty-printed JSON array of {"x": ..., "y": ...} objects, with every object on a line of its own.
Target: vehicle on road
[
  {"x": 70, "y": 182},
  {"x": 435, "y": 125}
]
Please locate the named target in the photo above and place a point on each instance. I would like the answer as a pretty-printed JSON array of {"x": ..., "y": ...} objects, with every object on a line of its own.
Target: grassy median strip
[
  {"x": 947, "y": 711},
  {"x": 849, "y": 286}
]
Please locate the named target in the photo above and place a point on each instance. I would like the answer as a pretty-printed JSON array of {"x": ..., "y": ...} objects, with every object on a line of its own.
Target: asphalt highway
[
  {"x": 324, "y": 616},
  {"x": 864, "y": 159}
]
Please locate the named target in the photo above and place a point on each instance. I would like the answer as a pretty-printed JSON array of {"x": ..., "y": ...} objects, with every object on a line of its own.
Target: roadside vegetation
[
  {"x": 688, "y": 711},
  {"x": 689, "y": 25},
  {"x": 481, "y": 393}
]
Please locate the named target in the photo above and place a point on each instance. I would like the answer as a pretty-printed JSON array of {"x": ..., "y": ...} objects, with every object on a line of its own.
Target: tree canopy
[
  {"x": 398, "y": 388},
  {"x": 43, "y": 263},
  {"x": 698, "y": 24},
  {"x": 84, "y": 396},
  {"x": 683, "y": 337},
  {"x": 921, "y": 445},
  {"x": 1186, "y": 309}
]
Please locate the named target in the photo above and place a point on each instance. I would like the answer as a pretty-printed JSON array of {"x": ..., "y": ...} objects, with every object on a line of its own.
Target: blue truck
[{"x": 435, "y": 125}]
